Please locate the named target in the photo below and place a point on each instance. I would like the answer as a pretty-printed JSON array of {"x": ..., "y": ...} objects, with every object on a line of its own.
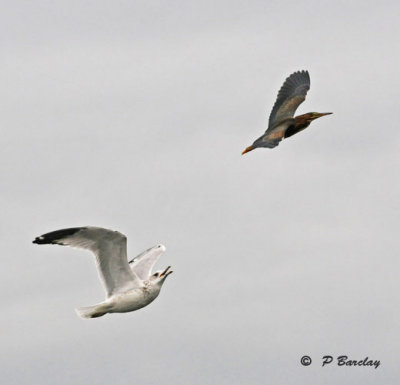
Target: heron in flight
[
  {"x": 129, "y": 285},
  {"x": 282, "y": 122}
]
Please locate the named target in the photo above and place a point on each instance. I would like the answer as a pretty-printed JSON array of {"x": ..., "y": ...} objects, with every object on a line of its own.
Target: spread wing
[
  {"x": 272, "y": 138},
  {"x": 108, "y": 246},
  {"x": 143, "y": 264},
  {"x": 292, "y": 93}
]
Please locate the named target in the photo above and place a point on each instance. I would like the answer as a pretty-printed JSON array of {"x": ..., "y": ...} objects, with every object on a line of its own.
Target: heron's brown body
[{"x": 282, "y": 123}]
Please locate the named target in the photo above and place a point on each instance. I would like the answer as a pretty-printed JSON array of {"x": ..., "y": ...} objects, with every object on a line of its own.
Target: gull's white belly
[{"x": 131, "y": 300}]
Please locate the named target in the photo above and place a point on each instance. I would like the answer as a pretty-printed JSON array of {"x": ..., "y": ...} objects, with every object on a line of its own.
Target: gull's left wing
[{"x": 108, "y": 246}]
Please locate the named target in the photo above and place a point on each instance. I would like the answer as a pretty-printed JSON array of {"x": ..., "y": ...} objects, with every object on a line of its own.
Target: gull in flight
[{"x": 129, "y": 285}]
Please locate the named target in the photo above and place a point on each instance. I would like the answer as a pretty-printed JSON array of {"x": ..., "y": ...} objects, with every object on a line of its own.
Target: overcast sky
[{"x": 132, "y": 115}]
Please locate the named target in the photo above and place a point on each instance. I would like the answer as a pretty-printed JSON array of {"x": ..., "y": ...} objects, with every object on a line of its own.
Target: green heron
[{"x": 282, "y": 124}]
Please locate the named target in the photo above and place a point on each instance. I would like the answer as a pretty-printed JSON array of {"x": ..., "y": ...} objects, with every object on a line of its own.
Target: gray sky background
[{"x": 132, "y": 116}]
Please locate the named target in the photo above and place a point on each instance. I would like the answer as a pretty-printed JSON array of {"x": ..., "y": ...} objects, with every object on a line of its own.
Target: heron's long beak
[
  {"x": 324, "y": 113},
  {"x": 248, "y": 149}
]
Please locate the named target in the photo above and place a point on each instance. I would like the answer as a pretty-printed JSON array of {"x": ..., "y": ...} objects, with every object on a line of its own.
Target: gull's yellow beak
[
  {"x": 165, "y": 271},
  {"x": 248, "y": 149}
]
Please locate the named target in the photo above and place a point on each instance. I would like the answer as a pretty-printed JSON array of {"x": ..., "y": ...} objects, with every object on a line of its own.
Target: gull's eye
[{"x": 156, "y": 275}]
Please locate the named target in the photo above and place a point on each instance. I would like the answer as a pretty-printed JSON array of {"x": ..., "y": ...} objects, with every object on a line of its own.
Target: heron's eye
[{"x": 156, "y": 275}]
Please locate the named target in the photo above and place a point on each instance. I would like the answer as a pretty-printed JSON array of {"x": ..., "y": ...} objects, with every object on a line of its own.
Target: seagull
[
  {"x": 282, "y": 123},
  {"x": 129, "y": 285}
]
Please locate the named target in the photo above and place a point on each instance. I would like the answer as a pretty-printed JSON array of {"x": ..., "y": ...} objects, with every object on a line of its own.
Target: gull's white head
[{"x": 159, "y": 277}]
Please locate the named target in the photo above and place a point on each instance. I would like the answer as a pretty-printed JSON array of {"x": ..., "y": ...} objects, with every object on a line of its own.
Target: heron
[{"x": 282, "y": 123}]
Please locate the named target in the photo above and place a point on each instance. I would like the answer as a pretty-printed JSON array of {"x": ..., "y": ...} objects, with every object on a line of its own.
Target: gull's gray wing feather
[
  {"x": 292, "y": 93},
  {"x": 108, "y": 246},
  {"x": 143, "y": 264}
]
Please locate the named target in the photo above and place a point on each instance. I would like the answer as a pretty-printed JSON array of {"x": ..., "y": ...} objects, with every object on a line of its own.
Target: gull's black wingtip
[
  {"x": 55, "y": 237},
  {"x": 40, "y": 241}
]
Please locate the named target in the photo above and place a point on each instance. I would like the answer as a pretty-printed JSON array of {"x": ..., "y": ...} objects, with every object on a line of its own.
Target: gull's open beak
[
  {"x": 248, "y": 149},
  {"x": 165, "y": 271}
]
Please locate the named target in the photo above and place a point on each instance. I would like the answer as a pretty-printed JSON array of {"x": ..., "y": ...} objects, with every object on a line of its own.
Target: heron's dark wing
[
  {"x": 272, "y": 137},
  {"x": 290, "y": 96},
  {"x": 269, "y": 142}
]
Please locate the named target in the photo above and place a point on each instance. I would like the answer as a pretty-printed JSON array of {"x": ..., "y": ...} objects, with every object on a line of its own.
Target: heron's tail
[{"x": 92, "y": 311}]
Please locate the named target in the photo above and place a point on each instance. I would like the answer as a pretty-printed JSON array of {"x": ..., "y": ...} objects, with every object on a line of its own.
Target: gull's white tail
[{"x": 92, "y": 311}]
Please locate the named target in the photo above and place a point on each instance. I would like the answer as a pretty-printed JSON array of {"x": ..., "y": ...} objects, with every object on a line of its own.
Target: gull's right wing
[{"x": 143, "y": 264}]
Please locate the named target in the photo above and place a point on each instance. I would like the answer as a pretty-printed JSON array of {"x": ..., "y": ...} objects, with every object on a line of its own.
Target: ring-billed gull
[
  {"x": 129, "y": 285},
  {"x": 282, "y": 124}
]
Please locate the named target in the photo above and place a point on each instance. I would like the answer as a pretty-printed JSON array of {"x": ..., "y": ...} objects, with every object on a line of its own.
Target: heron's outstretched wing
[
  {"x": 143, "y": 264},
  {"x": 108, "y": 246},
  {"x": 292, "y": 93},
  {"x": 272, "y": 138}
]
